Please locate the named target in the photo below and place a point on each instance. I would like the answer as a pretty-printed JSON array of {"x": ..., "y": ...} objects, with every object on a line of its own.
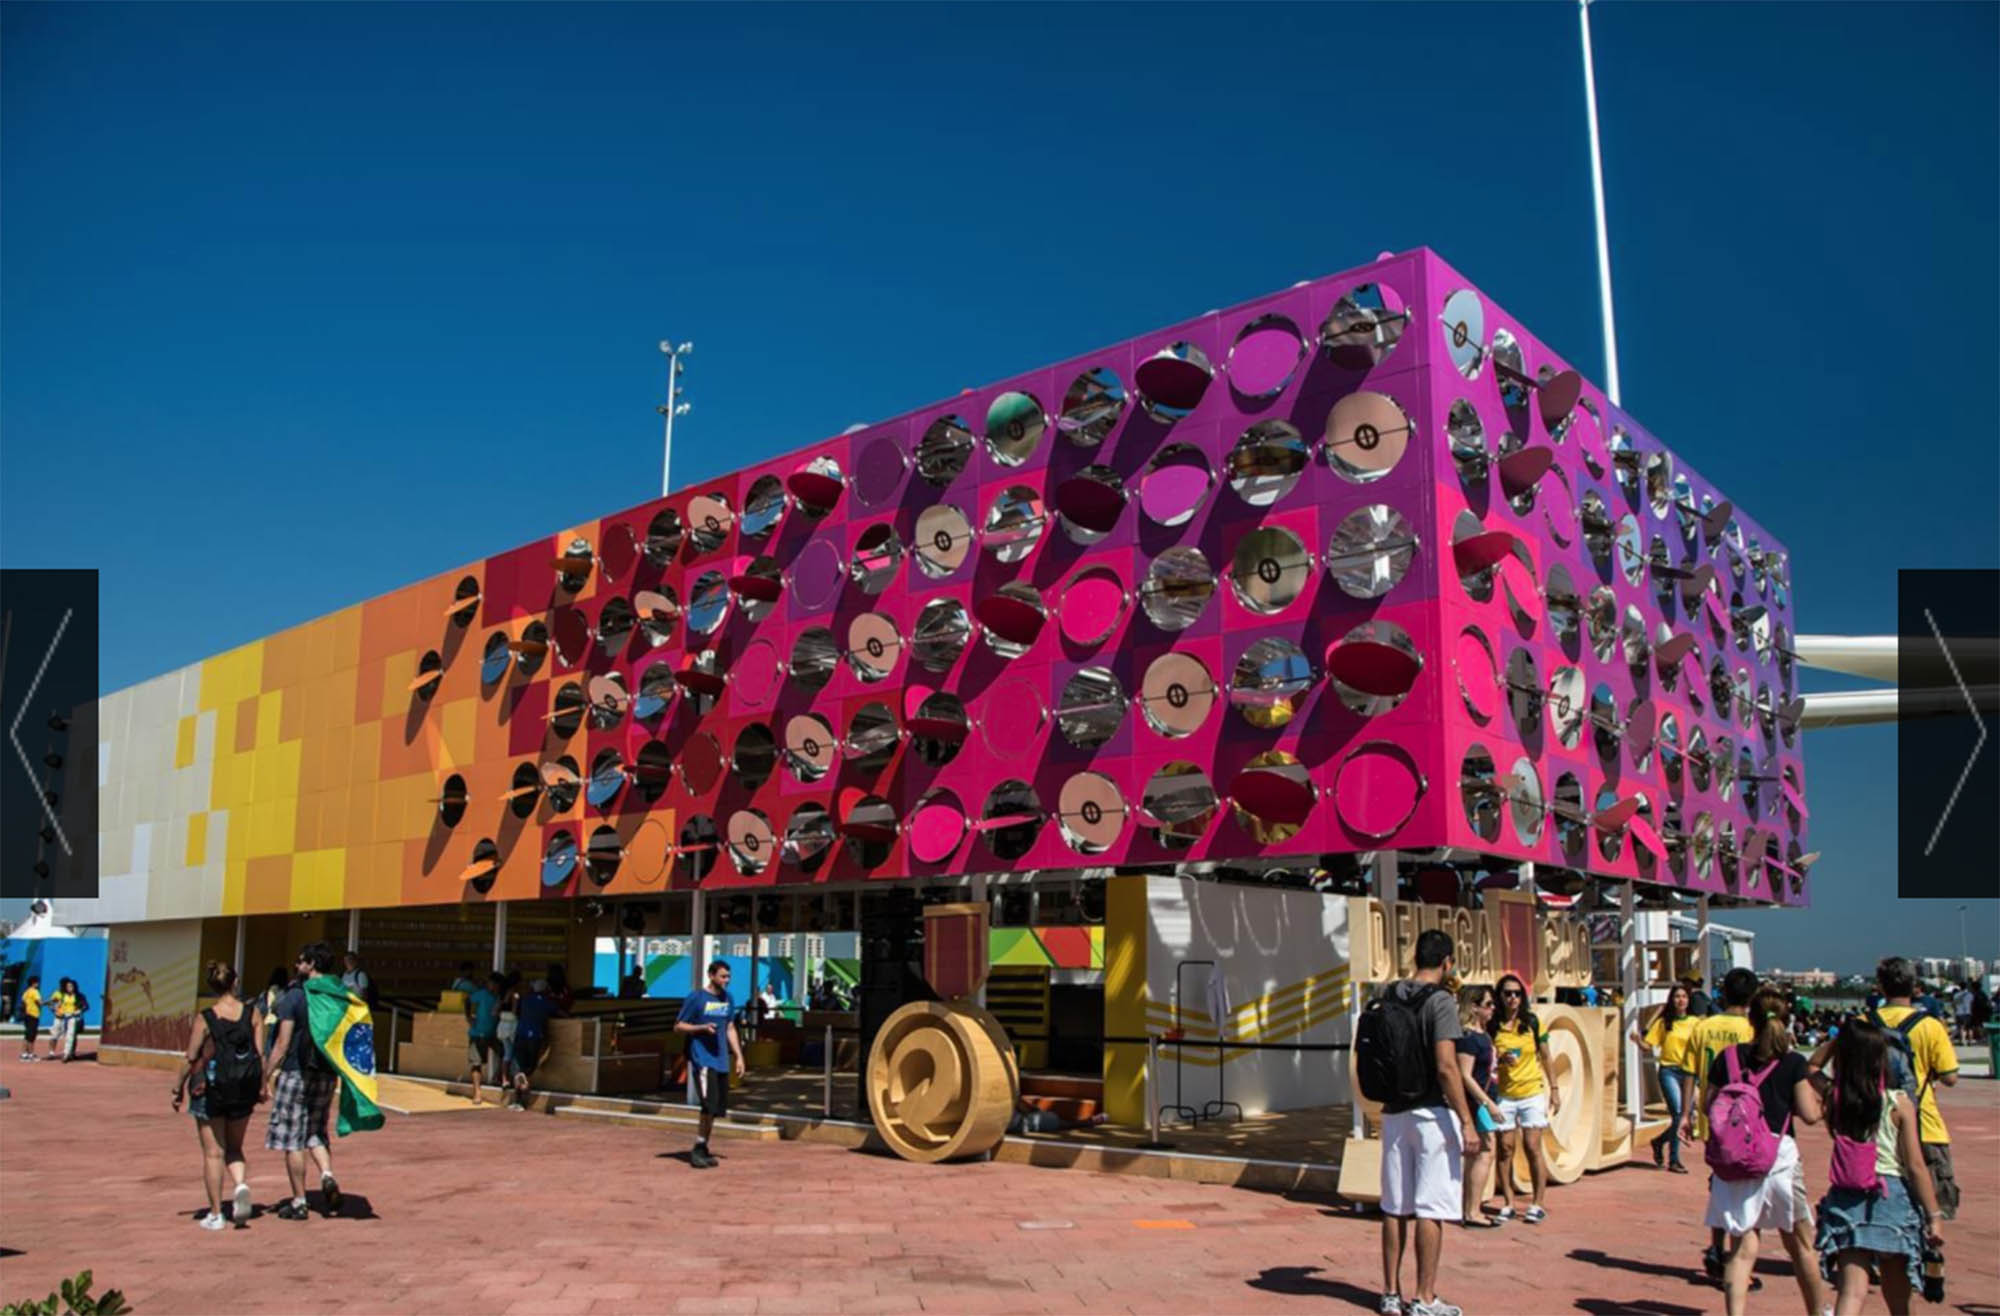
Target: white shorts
[
  {"x": 1776, "y": 1201},
  {"x": 1525, "y": 1112},
  {"x": 1423, "y": 1165}
]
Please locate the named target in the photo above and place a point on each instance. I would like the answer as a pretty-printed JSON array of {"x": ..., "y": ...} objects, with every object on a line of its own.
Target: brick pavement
[{"x": 504, "y": 1213}]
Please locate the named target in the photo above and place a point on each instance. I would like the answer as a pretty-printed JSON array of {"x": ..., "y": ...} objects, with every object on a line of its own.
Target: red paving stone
[{"x": 490, "y": 1212}]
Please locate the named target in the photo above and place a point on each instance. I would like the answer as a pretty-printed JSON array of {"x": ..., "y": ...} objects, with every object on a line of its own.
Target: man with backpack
[
  {"x": 1406, "y": 1057},
  {"x": 301, "y": 1087},
  {"x": 1923, "y": 1044}
]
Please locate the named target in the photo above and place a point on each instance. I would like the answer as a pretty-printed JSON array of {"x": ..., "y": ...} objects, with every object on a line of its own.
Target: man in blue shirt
[
  {"x": 482, "y": 1028},
  {"x": 708, "y": 1021}
]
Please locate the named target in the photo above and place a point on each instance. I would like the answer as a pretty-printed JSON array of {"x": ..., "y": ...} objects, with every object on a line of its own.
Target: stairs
[{"x": 1074, "y": 1097}]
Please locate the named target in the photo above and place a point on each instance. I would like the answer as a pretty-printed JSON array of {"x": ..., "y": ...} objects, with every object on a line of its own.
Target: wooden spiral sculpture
[{"x": 942, "y": 1081}]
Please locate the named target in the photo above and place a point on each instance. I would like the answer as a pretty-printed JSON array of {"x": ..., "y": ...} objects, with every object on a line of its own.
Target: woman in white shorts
[
  {"x": 1527, "y": 1097},
  {"x": 1742, "y": 1207}
]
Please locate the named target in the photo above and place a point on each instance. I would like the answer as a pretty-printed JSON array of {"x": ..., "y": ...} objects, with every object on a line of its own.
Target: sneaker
[
  {"x": 1711, "y": 1262},
  {"x": 212, "y": 1221},
  {"x": 1435, "y": 1307},
  {"x": 332, "y": 1192},
  {"x": 1503, "y": 1215},
  {"x": 1534, "y": 1215},
  {"x": 240, "y": 1208},
  {"x": 700, "y": 1159},
  {"x": 291, "y": 1209},
  {"x": 1391, "y": 1305}
]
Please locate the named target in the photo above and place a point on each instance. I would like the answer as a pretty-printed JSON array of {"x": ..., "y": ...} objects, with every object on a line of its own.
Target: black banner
[
  {"x": 1947, "y": 741},
  {"x": 48, "y": 734}
]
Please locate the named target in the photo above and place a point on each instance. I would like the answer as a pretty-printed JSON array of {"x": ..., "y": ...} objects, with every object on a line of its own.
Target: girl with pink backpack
[
  {"x": 1755, "y": 1091},
  {"x": 1867, "y": 1219}
]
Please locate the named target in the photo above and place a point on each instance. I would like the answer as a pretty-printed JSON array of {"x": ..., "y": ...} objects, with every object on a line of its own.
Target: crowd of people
[
  {"x": 1462, "y": 1080},
  {"x": 63, "y": 1009},
  {"x": 507, "y": 1027}
]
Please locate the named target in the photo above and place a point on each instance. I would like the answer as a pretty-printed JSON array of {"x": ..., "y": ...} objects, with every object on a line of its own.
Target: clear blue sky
[{"x": 275, "y": 276}]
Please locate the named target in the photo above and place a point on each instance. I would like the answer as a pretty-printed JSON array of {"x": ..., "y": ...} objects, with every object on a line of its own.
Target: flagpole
[{"x": 1597, "y": 188}]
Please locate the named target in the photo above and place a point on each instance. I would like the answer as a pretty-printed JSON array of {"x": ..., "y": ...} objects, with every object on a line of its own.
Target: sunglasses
[{"x": 1510, "y": 996}]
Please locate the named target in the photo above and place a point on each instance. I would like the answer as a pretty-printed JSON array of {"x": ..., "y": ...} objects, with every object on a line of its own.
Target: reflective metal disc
[{"x": 1176, "y": 694}]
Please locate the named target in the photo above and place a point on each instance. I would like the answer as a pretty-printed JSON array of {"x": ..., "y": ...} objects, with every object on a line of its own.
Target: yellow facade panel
[
  {"x": 197, "y": 840},
  {"x": 184, "y": 743}
]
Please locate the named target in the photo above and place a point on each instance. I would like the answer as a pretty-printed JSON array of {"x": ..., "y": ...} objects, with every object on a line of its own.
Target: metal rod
[
  {"x": 1611, "y": 389},
  {"x": 826, "y": 1074}
]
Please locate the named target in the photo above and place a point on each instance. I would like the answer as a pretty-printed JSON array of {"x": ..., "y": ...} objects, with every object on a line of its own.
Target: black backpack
[
  {"x": 1902, "y": 1056},
  {"x": 1392, "y": 1053},
  {"x": 239, "y": 1072}
]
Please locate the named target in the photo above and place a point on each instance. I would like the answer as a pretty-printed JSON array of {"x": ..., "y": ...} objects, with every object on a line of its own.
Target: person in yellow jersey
[
  {"x": 1667, "y": 1037},
  {"x": 1926, "y": 1046},
  {"x": 1710, "y": 1038},
  {"x": 31, "y": 1017},
  {"x": 69, "y": 1005},
  {"x": 1527, "y": 1098}
]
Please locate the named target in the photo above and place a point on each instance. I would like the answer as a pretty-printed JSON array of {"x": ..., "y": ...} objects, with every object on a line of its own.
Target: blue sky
[{"x": 274, "y": 275}]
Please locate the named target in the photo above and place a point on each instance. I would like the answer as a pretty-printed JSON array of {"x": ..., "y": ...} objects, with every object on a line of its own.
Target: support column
[
  {"x": 354, "y": 929},
  {"x": 756, "y": 957},
  {"x": 698, "y": 928},
  {"x": 980, "y": 897},
  {"x": 242, "y": 947},
  {"x": 1628, "y": 982},
  {"x": 500, "y": 937},
  {"x": 1701, "y": 944}
]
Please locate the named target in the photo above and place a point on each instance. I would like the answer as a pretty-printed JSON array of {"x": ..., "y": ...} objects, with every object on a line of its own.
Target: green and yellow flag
[{"x": 342, "y": 1030}]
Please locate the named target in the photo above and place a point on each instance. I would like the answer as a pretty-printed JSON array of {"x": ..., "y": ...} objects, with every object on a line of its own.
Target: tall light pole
[
  {"x": 1597, "y": 188},
  {"x": 676, "y": 355}
]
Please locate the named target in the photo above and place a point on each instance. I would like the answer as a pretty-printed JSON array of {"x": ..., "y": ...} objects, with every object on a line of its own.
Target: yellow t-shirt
[
  {"x": 1930, "y": 1047},
  {"x": 1709, "y": 1039},
  {"x": 31, "y": 1003},
  {"x": 1671, "y": 1044},
  {"x": 1524, "y": 1077},
  {"x": 66, "y": 1005}
]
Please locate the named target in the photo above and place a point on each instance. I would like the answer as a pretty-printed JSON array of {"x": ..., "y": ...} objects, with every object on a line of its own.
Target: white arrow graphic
[
  {"x": 1977, "y": 745},
  {"x": 14, "y": 731}
]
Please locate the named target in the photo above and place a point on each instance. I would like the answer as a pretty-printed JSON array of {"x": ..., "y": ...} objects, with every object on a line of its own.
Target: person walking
[
  {"x": 222, "y": 1080},
  {"x": 531, "y": 1037},
  {"x": 482, "y": 1040},
  {"x": 301, "y": 1086},
  {"x": 715, "y": 1053},
  {"x": 1711, "y": 1037},
  {"x": 1757, "y": 1088},
  {"x": 267, "y": 1006},
  {"x": 1528, "y": 1099},
  {"x": 31, "y": 1016},
  {"x": 356, "y": 979},
  {"x": 1667, "y": 1037},
  {"x": 1475, "y": 1066},
  {"x": 1426, "y": 1124},
  {"x": 69, "y": 1003},
  {"x": 1925, "y": 1044},
  {"x": 1867, "y": 1222}
]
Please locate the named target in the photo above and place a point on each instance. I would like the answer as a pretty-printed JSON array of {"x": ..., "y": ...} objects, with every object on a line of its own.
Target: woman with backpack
[
  {"x": 1667, "y": 1037},
  {"x": 1527, "y": 1098},
  {"x": 222, "y": 1078},
  {"x": 1756, "y": 1089},
  {"x": 1867, "y": 1220}
]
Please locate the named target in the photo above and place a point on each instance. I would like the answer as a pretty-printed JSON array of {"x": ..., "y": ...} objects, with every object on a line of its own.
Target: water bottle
[{"x": 1933, "y": 1273}]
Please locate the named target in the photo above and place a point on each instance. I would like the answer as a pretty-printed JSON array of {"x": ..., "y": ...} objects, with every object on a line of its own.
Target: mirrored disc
[
  {"x": 873, "y": 645},
  {"x": 664, "y": 535},
  {"x": 1464, "y": 320},
  {"x": 1465, "y": 435},
  {"x": 1181, "y": 804},
  {"x": 710, "y": 520},
  {"x": 1366, "y": 435},
  {"x": 1175, "y": 484},
  {"x": 494, "y": 659},
  {"x": 1267, "y": 462},
  {"x": 1480, "y": 793},
  {"x": 1092, "y": 407},
  {"x": 561, "y": 784},
  {"x": 1376, "y": 789},
  {"x": 1270, "y": 681},
  {"x": 943, "y": 630},
  {"x": 944, "y": 540},
  {"x": 755, "y": 756},
  {"x": 559, "y": 859},
  {"x": 1090, "y": 708},
  {"x": 751, "y": 841},
  {"x": 815, "y": 655},
  {"x": 1090, "y": 813},
  {"x": 1092, "y": 605},
  {"x": 944, "y": 450},
  {"x": 809, "y": 834},
  {"x": 817, "y": 485},
  {"x": 1089, "y": 503},
  {"x": 1509, "y": 372},
  {"x": 1012, "y": 717},
  {"x": 1565, "y": 705},
  {"x": 1011, "y": 618},
  {"x": 700, "y": 846},
  {"x": 1374, "y": 667},
  {"x": 763, "y": 506},
  {"x": 810, "y": 746},
  {"x": 878, "y": 556},
  {"x": 1565, "y": 608},
  {"x": 1524, "y": 804},
  {"x": 1269, "y": 569},
  {"x": 607, "y": 778},
  {"x": 1011, "y": 820},
  {"x": 871, "y": 821},
  {"x": 872, "y": 738},
  {"x": 1478, "y": 677},
  {"x": 936, "y": 827},
  {"x": 1178, "y": 586},
  {"x": 708, "y": 603},
  {"x": 609, "y": 700},
  {"x": 1171, "y": 381},
  {"x": 1176, "y": 694},
  {"x": 604, "y": 855},
  {"x": 1363, "y": 327},
  {"x": 566, "y": 714},
  {"x": 1272, "y": 797},
  {"x": 1014, "y": 426},
  {"x": 1265, "y": 356},
  {"x": 1014, "y": 523},
  {"x": 1370, "y": 551}
]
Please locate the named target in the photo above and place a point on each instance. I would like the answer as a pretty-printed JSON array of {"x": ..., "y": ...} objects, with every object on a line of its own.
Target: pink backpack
[
  {"x": 1741, "y": 1145},
  {"x": 1854, "y": 1160}
]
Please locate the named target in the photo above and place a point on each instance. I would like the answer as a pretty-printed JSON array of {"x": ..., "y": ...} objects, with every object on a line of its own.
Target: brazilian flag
[{"x": 342, "y": 1030}]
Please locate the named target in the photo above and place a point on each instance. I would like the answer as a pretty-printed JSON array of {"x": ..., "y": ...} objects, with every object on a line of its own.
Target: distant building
[
  {"x": 1821, "y": 978},
  {"x": 1939, "y": 968}
]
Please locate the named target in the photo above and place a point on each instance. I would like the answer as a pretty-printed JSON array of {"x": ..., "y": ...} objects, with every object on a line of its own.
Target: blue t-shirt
[
  {"x": 485, "y": 1012},
  {"x": 534, "y": 1012},
  {"x": 709, "y": 1050}
]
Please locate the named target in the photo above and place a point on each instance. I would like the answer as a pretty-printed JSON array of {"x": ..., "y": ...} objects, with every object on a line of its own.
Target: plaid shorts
[{"x": 300, "y": 1104}]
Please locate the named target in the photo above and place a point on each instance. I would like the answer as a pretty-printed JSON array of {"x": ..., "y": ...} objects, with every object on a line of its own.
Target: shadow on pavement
[
  {"x": 1644, "y": 1307},
  {"x": 1690, "y": 1274},
  {"x": 1304, "y": 1282}
]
